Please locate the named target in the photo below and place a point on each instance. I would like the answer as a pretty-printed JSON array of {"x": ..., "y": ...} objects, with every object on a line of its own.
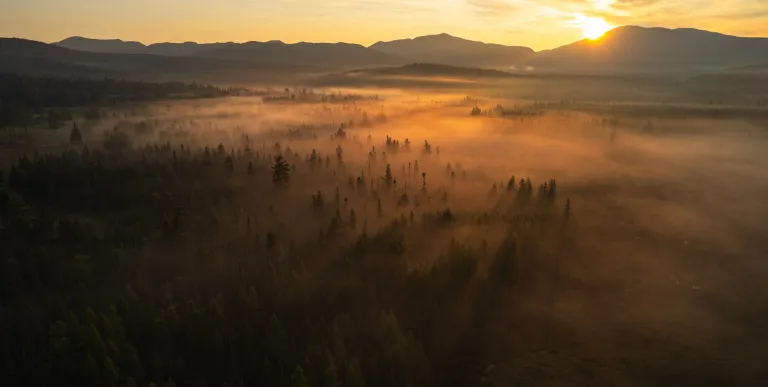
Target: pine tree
[
  {"x": 74, "y": 136},
  {"x": 568, "y": 209},
  {"x": 281, "y": 172},
  {"x": 511, "y": 184},
  {"x": 388, "y": 177},
  {"x": 251, "y": 169},
  {"x": 552, "y": 190},
  {"x": 314, "y": 157},
  {"x": 339, "y": 155},
  {"x": 379, "y": 211}
]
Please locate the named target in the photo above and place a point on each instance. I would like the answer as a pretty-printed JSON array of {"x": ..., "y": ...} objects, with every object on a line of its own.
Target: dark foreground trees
[{"x": 120, "y": 269}]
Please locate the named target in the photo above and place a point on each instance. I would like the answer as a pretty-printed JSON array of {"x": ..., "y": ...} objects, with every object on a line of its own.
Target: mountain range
[
  {"x": 624, "y": 49},
  {"x": 656, "y": 48},
  {"x": 277, "y": 52}
]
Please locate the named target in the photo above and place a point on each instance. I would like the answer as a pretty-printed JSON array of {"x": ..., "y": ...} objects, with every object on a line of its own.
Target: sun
[{"x": 595, "y": 27}]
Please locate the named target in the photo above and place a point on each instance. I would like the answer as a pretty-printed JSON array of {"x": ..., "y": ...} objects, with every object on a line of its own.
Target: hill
[
  {"x": 451, "y": 50},
  {"x": 634, "y": 48},
  {"x": 116, "y": 46},
  {"x": 36, "y": 58},
  {"x": 275, "y": 52},
  {"x": 325, "y": 54}
]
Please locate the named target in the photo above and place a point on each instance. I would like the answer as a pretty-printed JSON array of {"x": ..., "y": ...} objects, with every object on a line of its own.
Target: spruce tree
[
  {"x": 281, "y": 172},
  {"x": 388, "y": 177},
  {"x": 74, "y": 136}
]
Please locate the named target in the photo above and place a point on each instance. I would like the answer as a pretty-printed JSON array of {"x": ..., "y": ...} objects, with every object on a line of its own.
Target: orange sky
[{"x": 539, "y": 24}]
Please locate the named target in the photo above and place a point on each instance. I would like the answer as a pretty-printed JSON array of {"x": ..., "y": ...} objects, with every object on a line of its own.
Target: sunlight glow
[{"x": 595, "y": 27}]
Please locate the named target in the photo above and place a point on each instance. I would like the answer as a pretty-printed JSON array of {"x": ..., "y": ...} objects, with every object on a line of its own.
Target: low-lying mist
[{"x": 413, "y": 241}]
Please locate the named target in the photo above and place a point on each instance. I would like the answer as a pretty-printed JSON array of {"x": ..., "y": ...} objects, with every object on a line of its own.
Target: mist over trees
[{"x": 338, "y": 238}]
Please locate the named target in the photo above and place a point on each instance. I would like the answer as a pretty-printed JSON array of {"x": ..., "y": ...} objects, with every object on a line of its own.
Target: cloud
[
  {"x": 493, "y": 8},
  {"x": 703, "y": 14}
]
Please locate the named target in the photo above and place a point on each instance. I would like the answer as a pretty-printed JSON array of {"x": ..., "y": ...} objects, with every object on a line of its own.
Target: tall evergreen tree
[
  {"x": 388, "y": 177},
  {"x": 281, "y": 172},
  {"x": 75, "y": 136}
]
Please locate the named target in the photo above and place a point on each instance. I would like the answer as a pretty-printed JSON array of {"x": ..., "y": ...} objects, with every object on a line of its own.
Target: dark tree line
[
  {"x": 119, "y": 271},
  {"x": 21, "y": 97}
]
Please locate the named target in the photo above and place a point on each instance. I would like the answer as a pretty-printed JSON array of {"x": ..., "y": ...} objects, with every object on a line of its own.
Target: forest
[
  {"x": 234, "y": 242},
  {"x": 23, "y": 97}
]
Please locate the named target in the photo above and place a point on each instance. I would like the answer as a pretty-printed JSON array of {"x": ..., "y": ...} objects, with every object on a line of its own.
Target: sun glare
[{"x": 595, "y": 27}]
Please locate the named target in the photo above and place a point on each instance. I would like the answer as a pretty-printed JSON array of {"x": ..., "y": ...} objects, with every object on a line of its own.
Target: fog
[{"x": 652, "y": 276}]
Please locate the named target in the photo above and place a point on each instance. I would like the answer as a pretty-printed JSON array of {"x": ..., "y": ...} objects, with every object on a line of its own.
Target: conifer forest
[{"x": 187, "y": 235}]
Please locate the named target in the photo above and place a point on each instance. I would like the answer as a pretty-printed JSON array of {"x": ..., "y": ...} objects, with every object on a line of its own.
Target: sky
[{"x": 539, "y": 24}]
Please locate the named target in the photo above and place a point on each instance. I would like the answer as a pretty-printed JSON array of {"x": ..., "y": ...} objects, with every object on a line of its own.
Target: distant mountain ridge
[
  {"x": 450, "y": 50},
  {"x": 628, "y": 49},
  {"x": 275, "y": 51},
  {"x": 111, "y": 46},
  {"x": 653, "y": 48},
  {"x": 30, "y": 57}
]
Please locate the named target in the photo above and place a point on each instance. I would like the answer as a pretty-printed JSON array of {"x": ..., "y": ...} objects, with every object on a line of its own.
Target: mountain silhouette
[
  {"x": 275, "y": 51},
  {"x": 114, "y": 46},
  {"x": 638, "y": 48},
  {"x": 324, "y": 54},
  {"x": 36, "y": 58},
  {"x": 628, "y": 49},
  {"x": 450, "y": 50}
]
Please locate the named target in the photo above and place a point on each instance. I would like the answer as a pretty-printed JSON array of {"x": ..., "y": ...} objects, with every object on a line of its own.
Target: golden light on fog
[{"x": 594, "y": 27}]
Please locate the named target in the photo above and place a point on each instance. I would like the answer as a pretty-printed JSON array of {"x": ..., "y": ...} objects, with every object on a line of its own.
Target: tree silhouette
[
  {"x": 74, "y": 136},
  {"x": 511, "y": 184},
  {"x": 339, "y": 155},
  {"x": 281, "y": 172},
  {"x": 388, "y": 180}
]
